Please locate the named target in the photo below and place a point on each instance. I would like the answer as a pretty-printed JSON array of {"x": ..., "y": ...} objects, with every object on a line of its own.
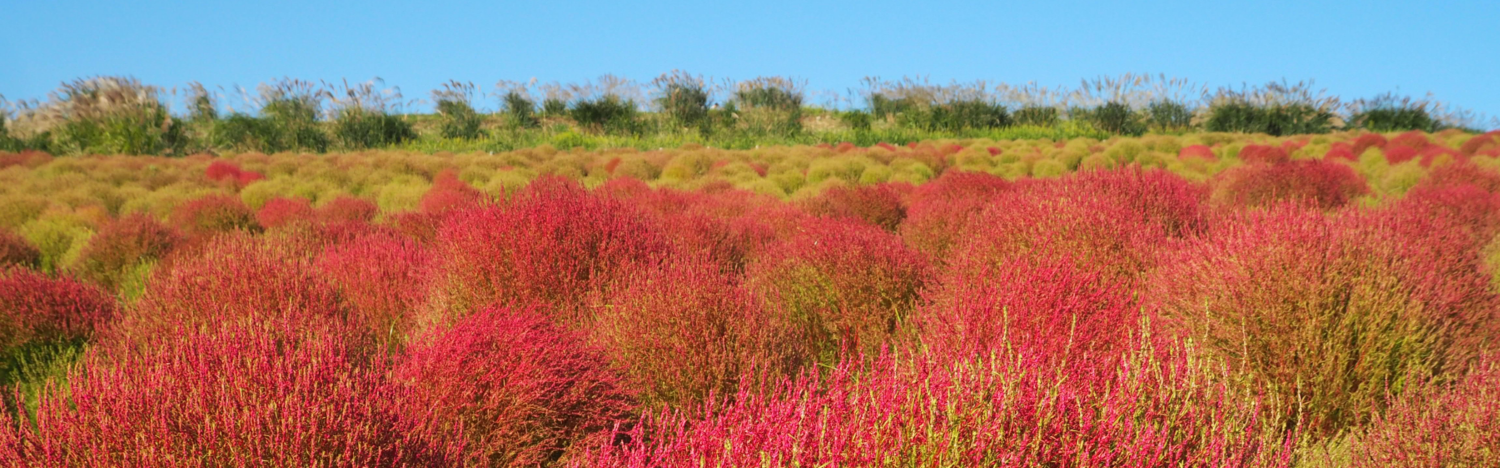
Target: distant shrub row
[{"x": 120, "y": 115}]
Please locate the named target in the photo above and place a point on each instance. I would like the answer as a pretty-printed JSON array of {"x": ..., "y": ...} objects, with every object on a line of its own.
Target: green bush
[
  {"x": 1035, "y": 116},
  {"x": 107, "y": 115},
  {"x": 855, "y": 119},
  {"x": 1274, "y": 120},
  {"x": 1114, "y": 117},
  {"x": 683, "y": 99},
  {"x": 963, "y": 115},
  {"x": 553, "y": 107},
  {"x": 288, "y": 121},
  {"x": 1169, "y": 116},
  {"x": 456, "y": 116},
  {"x": 608, "y": 113},
  {"x": 769, "y": 105},
  {"x": 1396, "y": 120},
  {"x": 520, "y": 112},
  {"x": 359, "y": 128}
]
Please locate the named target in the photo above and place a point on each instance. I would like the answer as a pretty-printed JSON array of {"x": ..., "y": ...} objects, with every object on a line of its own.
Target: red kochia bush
[
  {"x": 1197, "y": 151},
  {"x": 15, "y": 251},
  {"x": 1322, "y": 184},
  {"x": 880, "y": 205},
  {"x": 123, "y": 244},
  {"x": 685, "y": 330},
  {"x": 222, "y": 171},
  {"x": 448, "y": 193},
  {"x": 381, "y": 277},
  {"x": 1042, "y": 306},
  {"x": 1153, "y": 409},
  {"x": 1414, "y": 139},
  {"x": 35, "y": 307},
  {"x": 553, "y": 244},
  {"x": 729, "y": 227},
  {"x": 347, "y": 209},
  {"x": 1479, "y": 144},
  {"x": 235, "y": 279},
  {"x": 841, "y": 284},
  {"x": 214, "y": 214},
  {"x": 281, "y": 211},
  {"x": 1439, "y": 425},
  {"x": 1264, "y": 154},
  {"x": 1397, "y": 154},
  {"x": 1368, "y": 141},
  {"x": 511, "y": 388},
  {"x": 1104, "y": 222},
  {"x": 940, "y": 210},
  {"x": 1332, "y": 313},
  {"x": 237, "y": 396},
  {"x": 1341, "y": 151}
]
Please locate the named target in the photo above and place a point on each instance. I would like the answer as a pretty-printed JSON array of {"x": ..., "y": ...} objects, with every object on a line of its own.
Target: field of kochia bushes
[{"x": 1203, "y": 300}]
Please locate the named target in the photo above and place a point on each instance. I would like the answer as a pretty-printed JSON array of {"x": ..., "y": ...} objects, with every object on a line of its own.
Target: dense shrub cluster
[{"x": 1196, "y": 300}]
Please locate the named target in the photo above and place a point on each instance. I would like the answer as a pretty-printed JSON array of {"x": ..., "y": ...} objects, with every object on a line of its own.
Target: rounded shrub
[
  {"x": 1318, "y": 183},
  {"x": 15, "y": 251},
  {"x": 121, "y": 246},
  {"x": 846, "y": 287},
  {"x": 554, "y": 243},
  {"x": 1330, "y": 314},
  {"x": 214, "y": 214},
  {"x": 880, "y": 205},
  {"x": 511, "y": 388},
  {"x": 686, "y": 331},
  {"x": 381, "y": 277},
  {"x": 38, "y": 308},
  {"x": 281, "y": 211},
  {"x": 940, "y": 210},
  {"x": 189, "y": 400}
]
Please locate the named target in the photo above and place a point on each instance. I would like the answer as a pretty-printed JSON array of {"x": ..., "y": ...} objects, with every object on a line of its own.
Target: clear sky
[{"x": 1352, "y": 48}]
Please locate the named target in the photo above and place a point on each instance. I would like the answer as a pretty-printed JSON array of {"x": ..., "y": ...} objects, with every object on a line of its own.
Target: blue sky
[{"x": 1352, "y": 48}]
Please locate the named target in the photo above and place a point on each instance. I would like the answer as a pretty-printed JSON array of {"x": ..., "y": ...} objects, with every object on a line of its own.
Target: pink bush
[
  {"x": 220, "y": 171},
  {"x": 1153, "y": 409},
  {"x": 382, "y": 278},
  {"x": 347, "y": 209},
  {"x": 1197, "y": 151},
  {"x": 1334, "y": 313},
  {"x": 939, "y": 211},
  {"x": 684, "y": 331},
  {"x": 841, "y": 284},
  {"x": 1414, "y": 139},
  {"x": 214, "y": 214},
  {"x": 880, "y": 205},
  {"x": 510, "y": 388},
  {"x": 1456, "y": 425},
  {"x": 123, "y": 244},
  {"x": 35, "y": 307},
  {"x": 1367, "y": 141},
  {"x": 1264, "y": 154},
  {"x": 1479, "y": 144},
  {"x": 1340, "y": 151},
  {"x": 1397, "y": 154},
  {"x": 1323, "y": 184},
  {"x": 281, "y": 211},
  {"x": 16, "y": 251},
  {"x": 236, "y": 396},
  {"x": 553, "y": 244},
  {"x": 1043, "y": 306},
  {"x": 1104, "y": 222},
  {"x": 448, "y": 193},
  {"x": 236, "y": 279},
  {"x": 224, "y": 171}
]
